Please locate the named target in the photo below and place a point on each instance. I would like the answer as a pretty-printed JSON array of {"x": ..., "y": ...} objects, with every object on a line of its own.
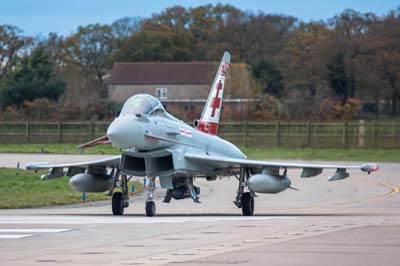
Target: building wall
[{"x": 119, "y": 93}]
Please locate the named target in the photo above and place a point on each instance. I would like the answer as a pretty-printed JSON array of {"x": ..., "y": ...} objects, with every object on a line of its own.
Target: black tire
[
  {"x": 116, "y": 204},
  {"x": 247, "y": 204},
  {"x": 150, "y": 208}
]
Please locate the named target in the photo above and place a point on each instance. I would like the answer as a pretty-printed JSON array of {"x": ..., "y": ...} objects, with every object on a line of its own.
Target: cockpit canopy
[{"x": 142, "y": 104}]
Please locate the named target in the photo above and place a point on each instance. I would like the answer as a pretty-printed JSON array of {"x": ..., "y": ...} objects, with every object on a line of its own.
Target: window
[
  {"x": 141, "y": 104},
  {"x": 162, "y": 93},
  {"x": 158, "y": 111},
  {"x": 188, "y": 107}
]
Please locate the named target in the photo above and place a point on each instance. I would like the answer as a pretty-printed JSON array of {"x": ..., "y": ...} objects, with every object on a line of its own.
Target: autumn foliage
[{"x": 290, "y": 69}]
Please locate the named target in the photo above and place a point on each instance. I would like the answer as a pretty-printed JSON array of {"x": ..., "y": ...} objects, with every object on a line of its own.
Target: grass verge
[
  {"x": 23, "y": 189},
  {"x": 52, "y": 148}
]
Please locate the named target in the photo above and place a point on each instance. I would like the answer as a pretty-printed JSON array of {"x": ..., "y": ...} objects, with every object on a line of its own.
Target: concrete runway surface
[{"x": 355, "y": 221}]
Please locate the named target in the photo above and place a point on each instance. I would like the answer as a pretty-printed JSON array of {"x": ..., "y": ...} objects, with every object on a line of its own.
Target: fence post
[
  {"x": 91, "y": 133},
  {"x": 308, "y": 134},
  {"x": 277, "y": 134},
  {"x": 245, "y": 134},
  {"x": 373, "y": 129},
  {"x": 344, "y": 134},
  {"x": 361, "y": 133},
  {"x": 27, "y": 132},
  {"x": 59, "y": 131}
]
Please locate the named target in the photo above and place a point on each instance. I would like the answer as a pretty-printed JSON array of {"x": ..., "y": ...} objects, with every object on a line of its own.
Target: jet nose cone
[{"x": 123, "y": 133}]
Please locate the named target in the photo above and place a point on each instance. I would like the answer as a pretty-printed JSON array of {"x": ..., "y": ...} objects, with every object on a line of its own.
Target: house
[
  {"x": 169, "y": 80},
  {"x": 182, "y": 87}
]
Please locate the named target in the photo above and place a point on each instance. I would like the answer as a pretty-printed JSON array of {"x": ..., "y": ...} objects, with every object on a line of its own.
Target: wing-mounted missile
[
  {"x": 310, "y": 172},
  {"x": 53, "y": 173},
  {"x": 339, "y": 175},
  {"x": 74, "y": 170},
  {"x": 57, "y": 172}
]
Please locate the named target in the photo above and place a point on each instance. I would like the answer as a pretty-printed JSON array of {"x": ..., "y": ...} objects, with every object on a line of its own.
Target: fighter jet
[{"x": 155, "y": 144}]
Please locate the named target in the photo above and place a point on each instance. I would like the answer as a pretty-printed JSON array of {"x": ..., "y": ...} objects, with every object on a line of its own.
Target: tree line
[{"x": 340, "y": 68}]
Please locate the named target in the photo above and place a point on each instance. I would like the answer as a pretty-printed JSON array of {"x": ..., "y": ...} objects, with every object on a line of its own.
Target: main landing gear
[
  {"x": 120, "y": 200},
  {"x": 247, "y": 201},
  {"x": 244, "y": 200}
]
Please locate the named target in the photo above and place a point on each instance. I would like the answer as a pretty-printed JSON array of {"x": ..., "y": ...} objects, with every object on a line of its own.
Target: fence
[{"x": 251, "y": 134}]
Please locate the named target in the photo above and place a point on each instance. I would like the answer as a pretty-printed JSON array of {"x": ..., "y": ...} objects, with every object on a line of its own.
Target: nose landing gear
[{"x": 150, "y": 204}]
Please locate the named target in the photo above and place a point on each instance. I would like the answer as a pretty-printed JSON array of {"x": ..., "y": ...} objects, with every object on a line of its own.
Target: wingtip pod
[
  {"x": 35, "y": 166},
  {"x": 226, "y": 57},
  {"x": 369, "y": 167}
]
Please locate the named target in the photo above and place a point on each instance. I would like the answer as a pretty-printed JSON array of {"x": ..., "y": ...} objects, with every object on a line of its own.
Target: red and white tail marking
[{"x": 209, "y": 120}]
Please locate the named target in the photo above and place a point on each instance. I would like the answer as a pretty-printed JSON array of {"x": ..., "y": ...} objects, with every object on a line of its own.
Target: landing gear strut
[
  {"x": 193, "y": 190},
  {"x": 120, "y": 200},
  {"x": 150, "y": 205},
  {"x": 244, "y": 200}
]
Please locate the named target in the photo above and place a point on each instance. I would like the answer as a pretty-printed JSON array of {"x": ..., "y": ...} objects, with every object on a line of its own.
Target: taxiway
[{"x": 355, "y": 221}]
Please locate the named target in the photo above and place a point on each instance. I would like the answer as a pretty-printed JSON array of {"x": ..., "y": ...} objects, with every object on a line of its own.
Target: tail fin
[{"x": 209, "y": 120}]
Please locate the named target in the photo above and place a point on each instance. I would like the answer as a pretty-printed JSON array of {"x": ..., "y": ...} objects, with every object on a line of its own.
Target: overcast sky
[{"x": 43, "y": 16}]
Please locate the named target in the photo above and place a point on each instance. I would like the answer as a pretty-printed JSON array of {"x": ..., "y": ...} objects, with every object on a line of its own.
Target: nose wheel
[
  {"x": 150, "y": 205},
  {"x": 150, "y": 208}
]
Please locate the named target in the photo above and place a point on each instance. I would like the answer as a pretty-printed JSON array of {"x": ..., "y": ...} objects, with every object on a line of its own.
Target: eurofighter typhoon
[{"x": 155, "y": 144}]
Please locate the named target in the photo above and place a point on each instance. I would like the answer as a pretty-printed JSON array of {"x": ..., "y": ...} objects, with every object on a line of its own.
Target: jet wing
[
  {"x": 57, "y": 170},
  {"x": 107, "y": 162},
  {"x": 309, "y": 169}
]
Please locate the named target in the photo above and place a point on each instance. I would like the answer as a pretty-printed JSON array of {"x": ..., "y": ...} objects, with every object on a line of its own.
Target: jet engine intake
[
  {"x": 88, "y": 182},
  {"x": 265, "y": 183}
]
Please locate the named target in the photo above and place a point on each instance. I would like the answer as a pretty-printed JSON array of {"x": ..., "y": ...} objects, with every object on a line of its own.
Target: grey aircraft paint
[{"x": 156, "y": 144}]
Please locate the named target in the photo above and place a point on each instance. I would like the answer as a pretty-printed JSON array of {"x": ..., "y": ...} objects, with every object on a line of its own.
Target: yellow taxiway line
[{"x": 395, "y": 189}]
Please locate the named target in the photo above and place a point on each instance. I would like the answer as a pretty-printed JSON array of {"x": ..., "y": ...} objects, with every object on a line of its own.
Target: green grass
[
  {"x": 328, "y": 154},
  {"x": 56, "y": 149},
  {"x": 23, "y": 189}
]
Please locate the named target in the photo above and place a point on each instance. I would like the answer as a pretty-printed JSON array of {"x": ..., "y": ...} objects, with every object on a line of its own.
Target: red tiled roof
[{"x": 162, "y": 73}]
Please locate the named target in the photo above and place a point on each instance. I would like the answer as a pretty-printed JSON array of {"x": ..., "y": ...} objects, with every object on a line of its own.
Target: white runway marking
[
  {"x": 61, "y": 219},
  {"x": 13, "y": 236},
  {"x": 39, "y": 230}
]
